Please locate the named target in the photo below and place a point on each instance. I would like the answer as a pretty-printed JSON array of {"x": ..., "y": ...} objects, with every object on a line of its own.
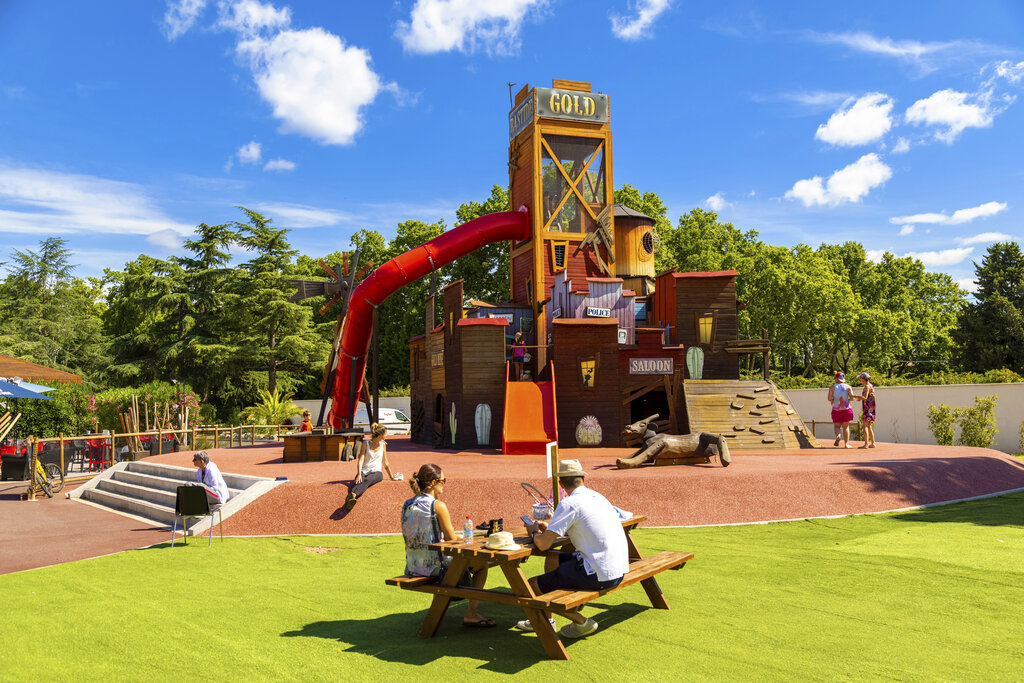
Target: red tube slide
[{"x": 392, "y": 276}]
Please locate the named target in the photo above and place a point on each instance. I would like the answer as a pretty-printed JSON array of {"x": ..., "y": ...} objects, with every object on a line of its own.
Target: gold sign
[{"x": 553, "y": 103}]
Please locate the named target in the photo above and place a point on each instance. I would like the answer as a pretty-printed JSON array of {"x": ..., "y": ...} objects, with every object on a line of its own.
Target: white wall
[{"x": 902, "y": 412}]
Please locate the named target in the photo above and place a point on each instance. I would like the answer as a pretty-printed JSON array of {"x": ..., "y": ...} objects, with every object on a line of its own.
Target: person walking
[
  {"x": 839, "y": 395},
  {"x": 867, "y": 409},
  {"x": 369, "y": 465}
]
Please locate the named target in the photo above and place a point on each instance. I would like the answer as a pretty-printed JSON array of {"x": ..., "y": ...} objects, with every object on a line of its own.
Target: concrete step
[
  {"x": 150, "y": 495},
  {"x": 157, "y": 482},
  {"x": 161, "y": 514},
  {"x": 147, "y": 490}
]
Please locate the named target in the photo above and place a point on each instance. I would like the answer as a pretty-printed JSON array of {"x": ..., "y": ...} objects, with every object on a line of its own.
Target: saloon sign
[{"x": 651, "y": 366}]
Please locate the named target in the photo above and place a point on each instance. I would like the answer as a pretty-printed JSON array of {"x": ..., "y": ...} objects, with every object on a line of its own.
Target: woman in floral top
[{"x": 867, "y": 399}]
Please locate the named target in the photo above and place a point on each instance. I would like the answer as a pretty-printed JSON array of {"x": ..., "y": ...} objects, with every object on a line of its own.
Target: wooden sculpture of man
[{"x": 687, "y": 447}]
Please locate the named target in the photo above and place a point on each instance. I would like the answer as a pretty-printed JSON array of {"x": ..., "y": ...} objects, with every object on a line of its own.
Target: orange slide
[{"x": 530, "y": 422}]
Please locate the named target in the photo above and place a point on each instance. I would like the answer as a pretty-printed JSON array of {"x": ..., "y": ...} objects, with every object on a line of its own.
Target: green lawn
[{"x": 926, "y": 595}]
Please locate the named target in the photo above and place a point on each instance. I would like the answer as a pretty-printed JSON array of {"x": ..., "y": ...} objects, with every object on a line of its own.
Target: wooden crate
[{"x": 307, "y": 447}]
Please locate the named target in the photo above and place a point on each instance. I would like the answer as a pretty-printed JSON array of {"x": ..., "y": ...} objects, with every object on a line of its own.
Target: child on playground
[
  {"x": 307, "y": 422},
  {"x": 867, "y": 399},
  {"x": 369, "y": 464}
]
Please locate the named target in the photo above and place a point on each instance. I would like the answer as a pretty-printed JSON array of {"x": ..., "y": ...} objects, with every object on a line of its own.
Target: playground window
[
  {"x": 705, "y": 325},
  {"x": 558, "y": 249},
  {"x": 573, "y": 182}
]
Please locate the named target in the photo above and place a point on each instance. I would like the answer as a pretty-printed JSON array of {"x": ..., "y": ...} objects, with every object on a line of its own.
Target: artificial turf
[{"x": 932, "y": 594}]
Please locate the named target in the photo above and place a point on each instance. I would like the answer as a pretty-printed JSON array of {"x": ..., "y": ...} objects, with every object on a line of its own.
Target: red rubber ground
[{"x": 759, "y": 486}]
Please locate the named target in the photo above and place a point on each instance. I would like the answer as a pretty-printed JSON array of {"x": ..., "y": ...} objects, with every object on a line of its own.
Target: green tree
[
  {"x": 275, "y": 339},
  {"x": 50, "y": 317},
  {"x": 991, "y": 333}
]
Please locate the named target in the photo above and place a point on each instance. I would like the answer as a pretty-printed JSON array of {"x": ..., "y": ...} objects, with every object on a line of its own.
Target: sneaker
[
  {"x": 838, "y": 439},
  {"x": 573, "y": 630},
  {"x": 525, "y": 624},
  {"x": 351, "y": 502}
]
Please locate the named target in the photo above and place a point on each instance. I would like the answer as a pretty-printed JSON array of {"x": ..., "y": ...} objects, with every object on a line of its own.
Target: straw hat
[
  {"x": 501, "y": 540},
  {"x": 570, "y": 468}
]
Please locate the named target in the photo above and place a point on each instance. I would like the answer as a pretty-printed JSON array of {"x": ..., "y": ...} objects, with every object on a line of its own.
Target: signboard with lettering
[
  {"x": 623, "y": 336},
  {"x": 507, "y": 316},
  {"x": 596, "y": 312},
  {"x": 520, "y": 117},
  {"x": 554, "y": 103},
  {"x": 651, "y": 366},
  {"x": 557, "y": 313},
  {"x": 437, "y": 359}
]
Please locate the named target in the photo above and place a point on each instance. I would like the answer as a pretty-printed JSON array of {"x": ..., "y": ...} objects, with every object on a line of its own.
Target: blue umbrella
[
  {"x": 11, "y": 390},
  {"x": 38, "y": 388}
]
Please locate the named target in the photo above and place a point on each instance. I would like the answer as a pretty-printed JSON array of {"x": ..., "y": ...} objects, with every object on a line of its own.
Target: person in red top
[{"x": 307, "y": 423}]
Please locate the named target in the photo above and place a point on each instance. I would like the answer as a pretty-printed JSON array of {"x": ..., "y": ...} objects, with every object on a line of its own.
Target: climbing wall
[{"x": 751, "y": 414}]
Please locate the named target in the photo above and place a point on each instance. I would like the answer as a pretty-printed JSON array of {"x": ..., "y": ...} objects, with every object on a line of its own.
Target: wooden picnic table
[{"x": 641, "y": 570}]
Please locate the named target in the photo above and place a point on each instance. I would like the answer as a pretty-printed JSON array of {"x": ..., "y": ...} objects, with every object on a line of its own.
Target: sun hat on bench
[{"x": 501, "y": 540}]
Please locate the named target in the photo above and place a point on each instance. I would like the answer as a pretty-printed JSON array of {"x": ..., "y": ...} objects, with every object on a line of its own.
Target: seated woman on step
[{"x": 368, "y": 465}]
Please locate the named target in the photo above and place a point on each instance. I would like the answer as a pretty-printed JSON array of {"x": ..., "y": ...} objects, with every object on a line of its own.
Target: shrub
[
  {"x": 942, "y": 422},
  {"x": 274, "y": 409},
  {"x": 978, "y": 424}
]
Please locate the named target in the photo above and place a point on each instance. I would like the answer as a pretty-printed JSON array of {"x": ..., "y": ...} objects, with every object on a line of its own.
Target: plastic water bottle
[{"x": 467, "y": 531}]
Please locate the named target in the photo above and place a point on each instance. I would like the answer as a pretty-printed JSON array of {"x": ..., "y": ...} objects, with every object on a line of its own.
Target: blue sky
[{"x": 124, "y": 123}]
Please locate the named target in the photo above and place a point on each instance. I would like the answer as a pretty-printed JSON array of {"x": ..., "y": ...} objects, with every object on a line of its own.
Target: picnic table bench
[{"x": 641, "y": 570}]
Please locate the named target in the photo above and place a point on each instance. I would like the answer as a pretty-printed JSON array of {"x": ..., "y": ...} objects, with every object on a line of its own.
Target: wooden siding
[
  {"x": 522, "y": 269},
  {"x": 740, "y": 409},
  {"x": 630, "y": 258},
  {"x": 576, "y": 340},
  {"x": 419, "y": 388},
  {"x": 717, "y": 295},
  {"x": 662, "y": 306},
  {"x": 483, "y": 381}
]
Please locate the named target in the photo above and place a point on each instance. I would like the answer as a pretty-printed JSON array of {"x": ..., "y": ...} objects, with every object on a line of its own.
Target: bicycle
[{"x": 48, "y": 478}]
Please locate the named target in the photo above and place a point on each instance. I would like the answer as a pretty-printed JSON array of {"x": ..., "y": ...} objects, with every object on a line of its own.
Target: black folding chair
[{"x": 191, "y": 501}]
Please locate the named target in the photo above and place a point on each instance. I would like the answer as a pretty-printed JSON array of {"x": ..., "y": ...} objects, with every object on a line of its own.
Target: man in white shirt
[
  {"x": 208, "y": 474},
  {"x": 595, "y": 529}
]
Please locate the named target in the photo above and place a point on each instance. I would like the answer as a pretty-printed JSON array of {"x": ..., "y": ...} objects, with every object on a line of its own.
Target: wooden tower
[{"x": 560, "y": 167}]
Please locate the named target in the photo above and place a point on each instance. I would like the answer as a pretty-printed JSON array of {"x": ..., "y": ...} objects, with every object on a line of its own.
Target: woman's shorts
[
  {"x": 570, "y": 575},
  {"x": 840, "y": 415},
  {"x": 519, "y": 359}
]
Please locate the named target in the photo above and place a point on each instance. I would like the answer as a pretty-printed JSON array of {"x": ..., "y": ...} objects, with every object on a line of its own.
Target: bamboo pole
[
  {"x": 33, "y": 455},
  {"x": 63, "y": 470}
]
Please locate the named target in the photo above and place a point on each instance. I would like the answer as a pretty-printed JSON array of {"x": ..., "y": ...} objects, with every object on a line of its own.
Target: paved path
[{"x": 759, "y": 486}]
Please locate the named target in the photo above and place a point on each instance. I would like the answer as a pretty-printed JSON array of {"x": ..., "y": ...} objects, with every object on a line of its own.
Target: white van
[{"x": 396, "y": 421}]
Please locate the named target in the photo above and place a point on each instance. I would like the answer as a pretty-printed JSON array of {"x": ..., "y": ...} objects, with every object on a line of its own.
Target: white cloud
[
  {"x": 958, "y": 217},
  {"x": 465, "y": 25},
  {"x": 180, "y": 16},
  {"x": 906, "y": 230},
  {"x": 924, "y": 55},
  {"x": 939, "y": 259},
  {"x": 279, "y": 165},
  {"x": 316, "y": 84},
  {"x": 1013, "y": 73},
  {"x": 38, "y": 201},
  {"x": 250, "y": 153},
  {"x": 249, "y": 17},
  {"x": 968, "y": 284},
  {"x": 951, "y": 113},
  {"x": 301, "y": 216},
  {"x": 985, "y": 238},
  {"x": 634, "y": 28},
  {"x": 717, "y": 202},
  {"x": 169, "y": 239},
  {"x": 817, "y": 99},
  {"x": 902, "y": 146},
  {"x": 858, "y": 122},
  {"x": 849, "y": 184},
  {"x": 875, "y": 255}
]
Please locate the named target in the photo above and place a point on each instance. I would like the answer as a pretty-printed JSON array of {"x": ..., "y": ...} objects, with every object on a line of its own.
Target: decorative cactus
[
  {"x": 452, "y": 422},
  {"x": 588, "y": 431}
]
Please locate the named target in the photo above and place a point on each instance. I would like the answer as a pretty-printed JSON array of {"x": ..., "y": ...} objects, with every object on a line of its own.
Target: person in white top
[
  {"x": 595, "y": 529},
  {"x": 208, "y": 474},
  {"x": 368, "y": 465}
]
